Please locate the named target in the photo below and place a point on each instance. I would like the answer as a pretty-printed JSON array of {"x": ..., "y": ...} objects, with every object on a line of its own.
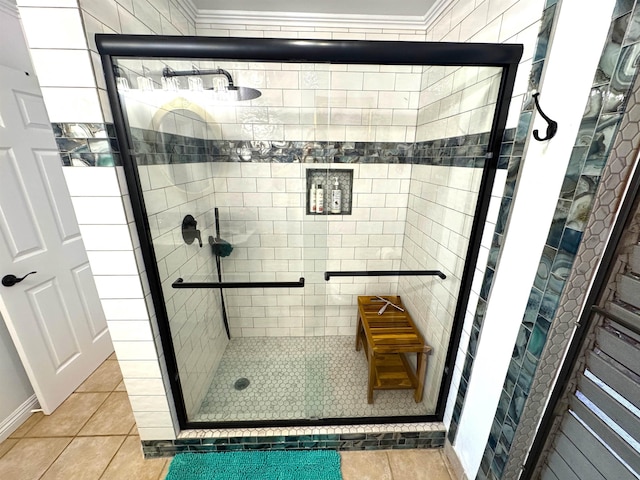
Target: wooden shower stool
[{"x": 387, "y": 338}]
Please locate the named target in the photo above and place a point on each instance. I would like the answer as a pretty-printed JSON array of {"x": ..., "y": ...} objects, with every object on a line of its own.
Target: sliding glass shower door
[{"x": 276, "y": 194}]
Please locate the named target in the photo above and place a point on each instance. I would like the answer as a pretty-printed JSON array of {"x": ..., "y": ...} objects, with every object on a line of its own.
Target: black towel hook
[{"x": 552, "y": 128}]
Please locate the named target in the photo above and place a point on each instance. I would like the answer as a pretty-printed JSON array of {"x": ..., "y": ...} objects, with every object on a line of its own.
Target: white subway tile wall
[
  {"x": 370, "y": 105},
  {"x": 441, "y": 206},
  {"x": 456, "y": 101},
  {"x": 98, "y": 200},
  {"x": 197, "y": 328},
  {"x": 501, "y": 21},
  {"x": 273, "y": 241}
]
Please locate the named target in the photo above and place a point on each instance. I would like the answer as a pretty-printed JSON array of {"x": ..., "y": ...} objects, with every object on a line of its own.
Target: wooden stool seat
[{"x": 387, "y": 338}]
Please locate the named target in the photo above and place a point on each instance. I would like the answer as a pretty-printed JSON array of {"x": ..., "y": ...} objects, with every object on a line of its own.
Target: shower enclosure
[{"x": 255, "y": 291}]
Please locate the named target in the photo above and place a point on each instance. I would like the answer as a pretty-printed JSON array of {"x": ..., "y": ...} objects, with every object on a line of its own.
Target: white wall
[
  {"x": 545, "y": 166},
  {"x": 16, "y": 387}
]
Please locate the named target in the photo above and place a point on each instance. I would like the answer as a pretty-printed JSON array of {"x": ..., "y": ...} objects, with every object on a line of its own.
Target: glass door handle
[{"x": 10, "y": 280}]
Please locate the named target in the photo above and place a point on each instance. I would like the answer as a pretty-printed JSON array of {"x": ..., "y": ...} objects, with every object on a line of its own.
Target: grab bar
[
  {"x": 180, "y": 283},
  {"x": 383, "y": 273}
]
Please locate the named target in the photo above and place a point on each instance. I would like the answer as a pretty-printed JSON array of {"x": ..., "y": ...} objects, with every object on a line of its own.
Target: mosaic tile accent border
[
  {"x": 615, "y": 176},
  {"x": 153, "y": 148},
  {"x": 87, "y": 144},
  {"x": 93, "y": 144},
  {"x": 381, "y": 440},
  {"x": 597, "y": 132}
]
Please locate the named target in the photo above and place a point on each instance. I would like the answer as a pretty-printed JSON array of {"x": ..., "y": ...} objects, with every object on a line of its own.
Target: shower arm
[{"x": 169, "y": 72}]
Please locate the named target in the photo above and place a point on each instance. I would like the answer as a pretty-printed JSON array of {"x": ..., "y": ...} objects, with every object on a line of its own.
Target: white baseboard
[{"x": 18, "y": 417}]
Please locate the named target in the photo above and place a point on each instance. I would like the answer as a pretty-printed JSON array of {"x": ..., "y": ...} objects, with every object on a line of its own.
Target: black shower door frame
[{"x": 505, "y": 56}]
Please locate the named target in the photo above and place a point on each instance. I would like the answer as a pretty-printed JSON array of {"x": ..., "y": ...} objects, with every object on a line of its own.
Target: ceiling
[{"x": 330, "y": 7}]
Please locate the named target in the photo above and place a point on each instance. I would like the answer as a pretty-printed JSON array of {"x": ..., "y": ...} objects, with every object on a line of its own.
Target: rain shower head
[{"x": 235, "y": 93}]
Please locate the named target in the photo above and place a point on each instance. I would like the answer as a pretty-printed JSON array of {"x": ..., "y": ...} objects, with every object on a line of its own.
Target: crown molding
[
  {"x": 437, "y": 9},
  {"x": 9, "y": 7},
  {"x": 243, "y": 17},
  {"x": 325, "y": 20},
  {"x": 189, "y": 8}
]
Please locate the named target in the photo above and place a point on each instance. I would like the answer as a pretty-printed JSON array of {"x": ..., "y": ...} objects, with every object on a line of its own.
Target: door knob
[{"x": 11, "y": 280}]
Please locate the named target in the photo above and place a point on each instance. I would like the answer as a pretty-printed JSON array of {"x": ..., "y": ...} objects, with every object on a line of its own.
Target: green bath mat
[{"x": 257, "y": 465}]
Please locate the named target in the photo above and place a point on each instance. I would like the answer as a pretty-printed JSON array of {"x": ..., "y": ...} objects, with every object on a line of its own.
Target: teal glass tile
[
  {"x": 108, "y": 160},
  {"x": 517, "y": 404},
  {"x": 603, "y": 136},
  {"x": 511, "y": 379},
  {"x": 545, "y": 32},
  {"x": 508, "y": 431},
  {"x": 574, "y": 169},
  {"x": 481, "y": 311},
  {"x": 487, "y": 281},
  {"x": 512, "y": 176},
  {"x": 560, "y": 271},
  {"x": 522, "y": 132},
  {"x": 588, "y": 123},
  {"x": 520, "y": 347},
  {"x": 633, "y": 31},
  {"x": 621, "y": 81},
  {"x": 622, "y": 8},
  {"x": 611, "y": 50},
  {"x": 529, "y": 365},
  {"x": 473, "y": 341},
  {"x": 558, "y": 223},
  {"x": 544, "y": 268},
  {"x": 533, "y": 306},
  {"x": 503, "y": 215},
  {"x": 500, "y": 459},
  {"x": 494, "y": 433},
  {"x": 549, "y": 305},
  {"x": 503, "y": 405}
]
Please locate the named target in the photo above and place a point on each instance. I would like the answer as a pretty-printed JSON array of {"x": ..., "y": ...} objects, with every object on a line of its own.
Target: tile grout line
[
  {"x": 386, "y": 454},
  {"x": 80, "y": 429},
  {"x": 114, "y": 456}
]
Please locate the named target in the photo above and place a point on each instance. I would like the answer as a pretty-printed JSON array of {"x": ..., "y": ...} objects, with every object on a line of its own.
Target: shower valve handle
[{"x": 189, "y": 231}]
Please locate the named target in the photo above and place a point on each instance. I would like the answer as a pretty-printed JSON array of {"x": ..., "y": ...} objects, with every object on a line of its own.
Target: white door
[{"x": 54, "y": 316}]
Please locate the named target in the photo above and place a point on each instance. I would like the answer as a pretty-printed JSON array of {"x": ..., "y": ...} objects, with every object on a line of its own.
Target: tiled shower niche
[{"x": 326, "y": 178}]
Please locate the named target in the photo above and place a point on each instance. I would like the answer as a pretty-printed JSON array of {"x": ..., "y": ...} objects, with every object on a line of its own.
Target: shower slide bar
[
  {"x": 383, "y": 273},
  {"x": 180, "y": 283}
]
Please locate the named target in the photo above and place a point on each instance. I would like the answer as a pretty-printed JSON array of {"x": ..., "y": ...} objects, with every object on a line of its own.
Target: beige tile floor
[{"x": 92, "y": 436}]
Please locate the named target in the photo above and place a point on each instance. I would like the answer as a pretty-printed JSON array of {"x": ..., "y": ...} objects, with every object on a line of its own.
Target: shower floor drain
[{"x": 241, "y": 383}]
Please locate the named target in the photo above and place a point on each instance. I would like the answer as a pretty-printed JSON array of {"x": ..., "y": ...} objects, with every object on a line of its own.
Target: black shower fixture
[
  {"x": 236, "y": 93},
  {"x": 189, "y": 231}
]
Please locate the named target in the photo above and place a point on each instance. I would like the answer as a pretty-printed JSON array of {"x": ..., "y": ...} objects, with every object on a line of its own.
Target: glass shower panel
[
  {"x": 168, "y": 143},
  {"x": 403, "y": 147},
  {"x": 416, "y": 180}
]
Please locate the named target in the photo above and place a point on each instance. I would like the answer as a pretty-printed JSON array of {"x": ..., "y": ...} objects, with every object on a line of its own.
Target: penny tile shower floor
[{"x": 298, "y": 377}]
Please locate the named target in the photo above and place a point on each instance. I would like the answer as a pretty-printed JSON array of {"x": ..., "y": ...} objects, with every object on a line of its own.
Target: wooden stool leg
[
  {"x": 372, "y": 375},
  {"x": 421, "y": 374},
  {"x": 358, "y": 329}
]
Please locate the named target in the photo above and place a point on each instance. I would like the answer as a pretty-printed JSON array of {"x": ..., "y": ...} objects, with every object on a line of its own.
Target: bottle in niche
[
  {"x": 319, "y": 199},
  {"x": 336, "y": 197},
  {"x": 312, "y": 198}
]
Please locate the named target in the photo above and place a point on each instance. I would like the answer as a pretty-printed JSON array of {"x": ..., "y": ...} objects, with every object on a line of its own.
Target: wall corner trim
[{"x": 453, "y": 462}]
